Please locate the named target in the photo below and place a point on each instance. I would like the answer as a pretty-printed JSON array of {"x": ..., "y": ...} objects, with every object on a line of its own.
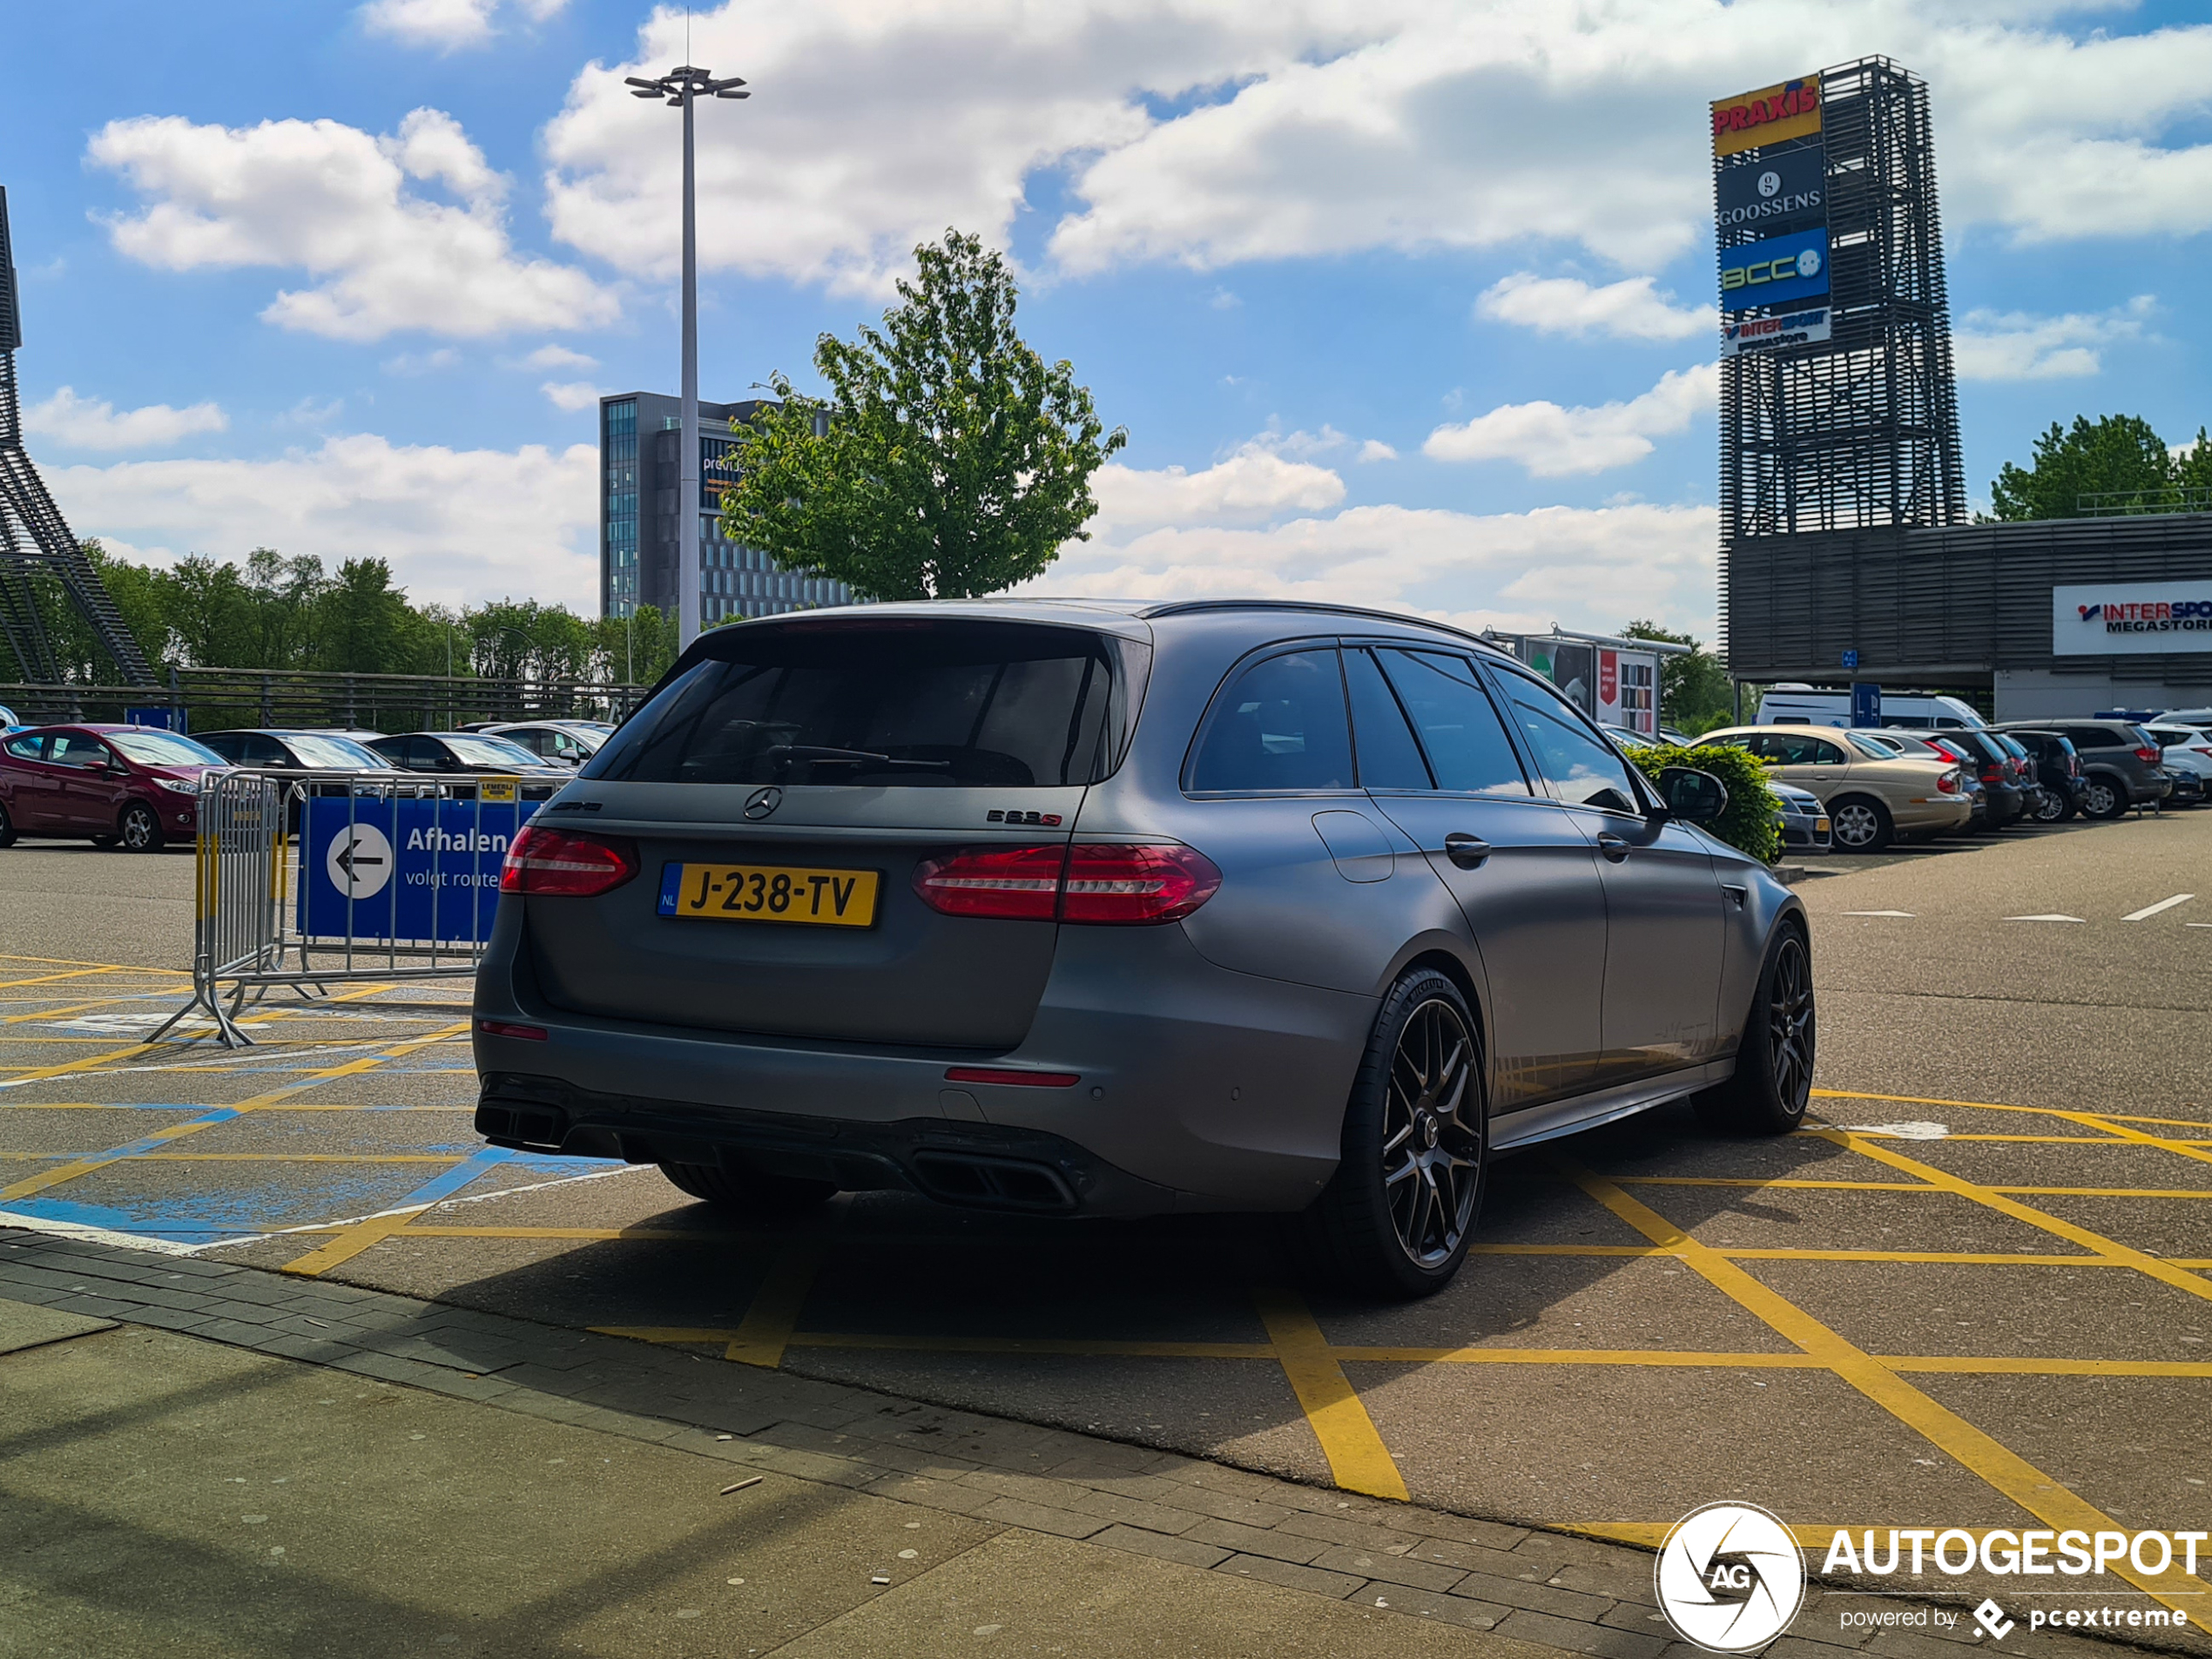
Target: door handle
[
  {"x": 1466, "y": 851},
  {"x": 1614, "y": 846}
]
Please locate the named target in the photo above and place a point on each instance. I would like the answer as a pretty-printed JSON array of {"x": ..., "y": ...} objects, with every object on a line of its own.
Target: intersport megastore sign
[{"x": 2131, "y": 618}]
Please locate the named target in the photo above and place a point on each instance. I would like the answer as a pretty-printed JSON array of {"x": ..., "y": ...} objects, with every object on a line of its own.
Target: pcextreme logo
[{"x": 1768, "y": 116}]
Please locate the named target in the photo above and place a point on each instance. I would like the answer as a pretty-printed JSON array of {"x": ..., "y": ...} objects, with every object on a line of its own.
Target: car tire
[
  {"x": 2103, "y": 799},
  {"x": 1396, "y": 1217},
  {"x": 1773, "y": 1080},
  {"x": 749, "y": 1191},
  {"x": 1859, "y": 824},
  {"x": 139, "y": 830},
  {"x": 2053, "y": 808},
  {"x": 7, "y": 828}
]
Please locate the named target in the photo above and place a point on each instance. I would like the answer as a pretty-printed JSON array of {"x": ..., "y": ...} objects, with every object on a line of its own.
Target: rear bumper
[{"x": 1196, "y": 1087}]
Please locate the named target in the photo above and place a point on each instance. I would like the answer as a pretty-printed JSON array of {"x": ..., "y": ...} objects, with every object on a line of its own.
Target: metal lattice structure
[
  {"x": 36, "y": 548},
  {"x": 1858, "y": 432}
]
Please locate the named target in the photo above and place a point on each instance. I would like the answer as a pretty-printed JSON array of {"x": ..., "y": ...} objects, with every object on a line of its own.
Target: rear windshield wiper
[{"x": 781, "y": 752}]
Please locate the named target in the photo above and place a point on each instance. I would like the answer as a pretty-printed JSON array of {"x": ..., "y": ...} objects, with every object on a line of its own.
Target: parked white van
[{"x": 1800, "y": 704}]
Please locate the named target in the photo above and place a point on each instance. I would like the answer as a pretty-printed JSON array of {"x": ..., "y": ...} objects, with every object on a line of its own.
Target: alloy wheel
[
  {"x": 2098, "y": 801},
  {"x": 1789, "y": 1027},
  {"x": 1432, "y": 1153},
  {"x": 139, "y": 829},
  {"x": 2050, "y": 808},
  {"x": 1854, "y": 825}
]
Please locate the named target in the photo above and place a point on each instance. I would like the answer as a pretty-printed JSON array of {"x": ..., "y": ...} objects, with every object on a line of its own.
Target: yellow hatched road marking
[
  {"x": 39, "y": 1073},
  {"x": 66, "y": 1009},
  {"x": 1358, "y": 1459},
  {"x": 1994, "y": 1198},
  {"x": 48, "y": 979},
  {"x": 2179, "y": 1149},
  {"x": 763, "y": 1333},
  {"x": 1995, "y": 1106},
  {"x": 111, "y": 968},
  {"x": 2004, "y": 1469},
  {"x": 1907, "y": 1186},
  {"x": 70, "y": 1171}
]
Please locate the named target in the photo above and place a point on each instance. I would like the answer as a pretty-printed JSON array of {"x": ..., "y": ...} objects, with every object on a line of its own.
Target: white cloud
[
  {"x": 93, "y": 424},
  {"x": 1555, "y": 443},
  {"x": 1582, "y": 568},
  {"x": 1254, "y": 484},
  {"x": 446, "y": 24},
  {"x": 1376, "y": 449},
  {"x": 1631, "y": 309},
  {"x": 570, "y": 395},
  {"x": 558, "y": 357},
  {"x": 338, "y": 203},
  {"x": 458, "y": 525},
  {"x": 2015, "y": 346},
  {"x": 1325, "y": 127}
]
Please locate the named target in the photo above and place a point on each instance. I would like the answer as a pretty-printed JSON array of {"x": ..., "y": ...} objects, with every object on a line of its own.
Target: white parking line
[
  {"x": 1907, "y": 914},
  {"x": 2050, "y": 918},
  {"x": 2150, "y": 910}
]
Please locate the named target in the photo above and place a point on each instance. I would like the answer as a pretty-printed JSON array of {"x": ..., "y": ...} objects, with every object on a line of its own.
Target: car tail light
[
  {"x": 552, "y": 863},
  {"x": 1008, "y": 883},
  {"x": 1948, "y": 784},
  {"x": 1100, "y": 883},
  {"x": 2148, "y": 757},
  {"x": 2198, "y": 748},
  {"x": 1110, "y": 883},
  {"x": 1992, "y": 774}
]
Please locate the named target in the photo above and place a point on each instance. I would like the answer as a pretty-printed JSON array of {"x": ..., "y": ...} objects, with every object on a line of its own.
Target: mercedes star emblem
[{"x": 762, "y": 802}]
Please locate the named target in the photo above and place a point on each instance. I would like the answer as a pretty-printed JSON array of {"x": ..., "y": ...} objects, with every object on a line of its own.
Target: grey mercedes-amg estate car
[{"x": 1122, "y": 909}]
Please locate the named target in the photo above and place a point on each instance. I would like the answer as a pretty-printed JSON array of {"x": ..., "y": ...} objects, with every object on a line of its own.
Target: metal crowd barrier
[{"x": 306, "y": 879}]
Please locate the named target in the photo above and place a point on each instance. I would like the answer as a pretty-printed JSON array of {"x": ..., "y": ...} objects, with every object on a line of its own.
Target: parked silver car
[{"x": 1124, "y": 909}]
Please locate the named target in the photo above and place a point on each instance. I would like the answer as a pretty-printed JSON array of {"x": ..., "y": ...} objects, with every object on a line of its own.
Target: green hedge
[{"x": 1748, "y": 822}]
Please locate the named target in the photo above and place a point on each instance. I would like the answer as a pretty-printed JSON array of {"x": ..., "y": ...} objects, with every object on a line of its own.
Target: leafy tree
[
  {"x": 637, "y": 650},
  {"x": 2116, "y": 452},
  {"x": 366, "y": 620},
  {"x": 949, "y": 460},
  {"x": 2193, "y": 467},
  {"x": 1695, "y": 695},
  {"x": 1748, "y": 823}
]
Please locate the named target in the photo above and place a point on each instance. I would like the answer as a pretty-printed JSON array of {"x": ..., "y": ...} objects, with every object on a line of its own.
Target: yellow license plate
[{"x": 770, "y": 892}]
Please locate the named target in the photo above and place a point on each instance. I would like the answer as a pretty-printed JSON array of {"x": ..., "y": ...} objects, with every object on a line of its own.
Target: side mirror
[{"x": 1693, "y": 796}]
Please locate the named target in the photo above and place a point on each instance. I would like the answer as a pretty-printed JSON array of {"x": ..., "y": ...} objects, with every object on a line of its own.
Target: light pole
[{"x": 680, "y": 86}]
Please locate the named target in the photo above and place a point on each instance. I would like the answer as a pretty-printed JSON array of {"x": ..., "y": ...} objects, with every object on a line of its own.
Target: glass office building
[{"x": 639, "y": 433}]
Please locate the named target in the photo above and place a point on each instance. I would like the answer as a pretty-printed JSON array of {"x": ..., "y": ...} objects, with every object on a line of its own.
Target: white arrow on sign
[{"x": 360, "y": 861}]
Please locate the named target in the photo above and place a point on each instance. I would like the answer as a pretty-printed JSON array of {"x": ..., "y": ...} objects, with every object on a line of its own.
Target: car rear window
[{"x": 906, "y": 703}]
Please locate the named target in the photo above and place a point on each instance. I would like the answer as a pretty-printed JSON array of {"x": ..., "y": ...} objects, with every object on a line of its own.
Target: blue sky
[{"x": 1400, "y": 300}]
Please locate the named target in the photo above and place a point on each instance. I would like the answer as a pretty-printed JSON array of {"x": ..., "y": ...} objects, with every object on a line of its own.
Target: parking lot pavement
[{"x": 1974, "y": 1295}]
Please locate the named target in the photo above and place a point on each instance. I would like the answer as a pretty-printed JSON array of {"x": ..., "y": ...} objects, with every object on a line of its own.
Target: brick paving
[{"x": 1574, "y": 1593}]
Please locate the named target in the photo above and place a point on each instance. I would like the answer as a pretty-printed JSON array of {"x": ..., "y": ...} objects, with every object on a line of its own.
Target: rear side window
[
  {"x": 895, "y": 705},
  {"x": 2092, "y": 736},
  {"x": 1279, "y": 725},
  {"x": 1459, "y": 728},
  {"x": 26, "y": 748},
  {"x": 1389, "y": 759}
]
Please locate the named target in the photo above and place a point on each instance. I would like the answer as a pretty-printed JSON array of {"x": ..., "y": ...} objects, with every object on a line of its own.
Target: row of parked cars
[
  {"x": 137, "y": 788},
  {"x": 1875, "y": 786}
]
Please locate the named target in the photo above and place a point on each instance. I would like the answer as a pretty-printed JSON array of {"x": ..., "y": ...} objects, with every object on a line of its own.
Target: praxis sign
[
  {"x": 2131, "y": 618},
  {"x": 1768, "y": 116}
]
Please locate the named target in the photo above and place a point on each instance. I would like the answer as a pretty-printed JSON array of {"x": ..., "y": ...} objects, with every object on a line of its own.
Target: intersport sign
[{"x": 2131, "y": 618}]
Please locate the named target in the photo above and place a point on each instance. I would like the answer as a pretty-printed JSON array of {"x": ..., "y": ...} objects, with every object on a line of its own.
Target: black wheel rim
[
  {"x": 1790, "y": 1029},
  {"x": 1432, "y": 1143}
]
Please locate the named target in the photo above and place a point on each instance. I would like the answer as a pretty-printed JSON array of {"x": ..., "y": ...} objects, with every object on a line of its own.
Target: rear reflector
[
  {"x": 505, "y": 1028},
  {"x": 1007, "y": 1075},
  {"x": 550, "y": 863},
  {"x": 1095, "y": 883}
]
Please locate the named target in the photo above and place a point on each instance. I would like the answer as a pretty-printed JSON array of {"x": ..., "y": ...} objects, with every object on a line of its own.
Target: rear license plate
[{"x": 770, "y": 892}]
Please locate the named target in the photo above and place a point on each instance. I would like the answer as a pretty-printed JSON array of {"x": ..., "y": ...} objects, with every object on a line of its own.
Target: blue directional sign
[
  {"x": 1850, "y": 659},
  {"x": 384, "y": 871},
  {"x": 1866, "y": 703}
]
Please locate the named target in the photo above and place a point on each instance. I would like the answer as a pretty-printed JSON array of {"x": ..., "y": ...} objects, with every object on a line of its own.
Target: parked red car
[{"x": 134, "y": 786}]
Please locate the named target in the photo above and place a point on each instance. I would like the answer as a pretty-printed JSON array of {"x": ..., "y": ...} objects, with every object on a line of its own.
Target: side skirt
[{"x": 1517, "y": 1129}]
